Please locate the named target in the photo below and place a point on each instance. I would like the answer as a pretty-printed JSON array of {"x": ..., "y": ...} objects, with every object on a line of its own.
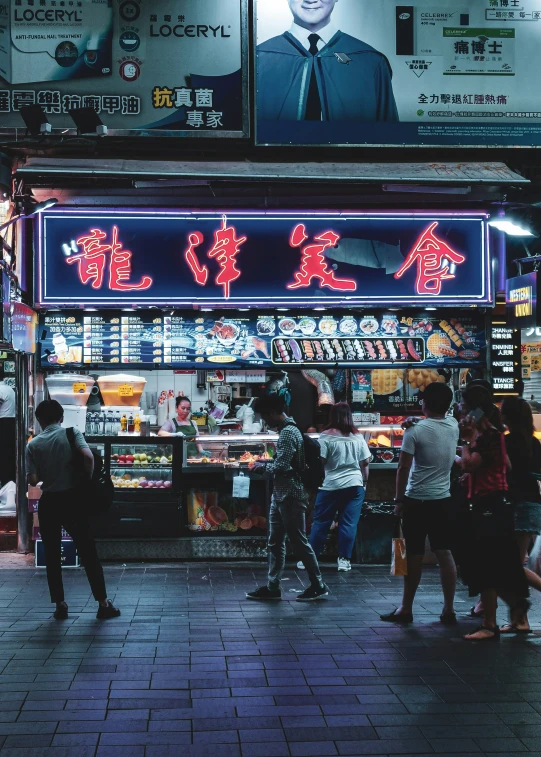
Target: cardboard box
[
  {"x": 69, "y": 557},
  {"x": 47, "y": 42}
]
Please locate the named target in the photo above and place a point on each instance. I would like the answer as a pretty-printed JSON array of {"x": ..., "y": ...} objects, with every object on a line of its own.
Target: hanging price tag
[
  {"x": 125, "y": 390},
  {"x": 241, "y": 486},
  {"x": 79, "y": 387}
]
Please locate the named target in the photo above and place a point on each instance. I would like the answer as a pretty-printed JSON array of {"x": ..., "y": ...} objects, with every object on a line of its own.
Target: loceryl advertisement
[{"x": 166, "y": 68}]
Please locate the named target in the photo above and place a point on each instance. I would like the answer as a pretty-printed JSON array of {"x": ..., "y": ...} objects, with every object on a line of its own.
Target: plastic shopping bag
[
  {"x": 399, "y": 565},
  {"x": 534, "y": 561},
  {"x": 241, "y": 486}
]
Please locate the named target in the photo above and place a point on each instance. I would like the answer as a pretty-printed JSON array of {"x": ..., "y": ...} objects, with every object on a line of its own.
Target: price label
[
  {"x": 79, "y": 387},
  {"x": 125, "y": 390}
]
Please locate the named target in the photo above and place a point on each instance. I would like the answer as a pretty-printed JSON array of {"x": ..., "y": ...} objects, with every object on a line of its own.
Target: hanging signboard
[
  {"x": 262, "y": 259},
  {"x": 147, "y": 68},
  {"x": 180, "y": 339},
  {"x": 522, "y": 301},
  {"x": 505, "y": 358},
  {"x": 425, "y": 73}
]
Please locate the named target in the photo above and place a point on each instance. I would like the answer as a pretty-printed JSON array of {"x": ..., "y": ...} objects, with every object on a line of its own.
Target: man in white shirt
[
  {"x": 7, "y": 430},
  {"x": 316, "y": 72},
  {"x": 423, "y": 499}
]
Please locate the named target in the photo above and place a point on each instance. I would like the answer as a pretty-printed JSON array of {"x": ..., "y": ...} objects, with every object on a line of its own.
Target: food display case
[
  {"x": 385, "y": 443},
  {"x": 216, "y": 504},
  {"x": 146, "y": 474}
]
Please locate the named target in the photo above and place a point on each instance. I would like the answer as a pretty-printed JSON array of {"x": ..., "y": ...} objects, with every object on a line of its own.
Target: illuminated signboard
[
  {"x": 521, "y": 300},
  {"x": 505, "y": 359},
  {"x": 261, "y": 259},
  {"x": 262, "y": 339}
]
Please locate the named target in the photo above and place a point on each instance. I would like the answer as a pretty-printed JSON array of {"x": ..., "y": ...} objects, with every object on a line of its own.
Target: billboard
[
  {"x": 236, "y": 258},
  {"x": 432, "y": 72},
  {"x": 522, "y": 300},
  {"x": 168, "y": 69},
  {"x": 158, "y": 339}
]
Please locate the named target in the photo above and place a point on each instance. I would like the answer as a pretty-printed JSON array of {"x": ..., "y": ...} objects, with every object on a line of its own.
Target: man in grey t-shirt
[{"x": 423, "y": 499}]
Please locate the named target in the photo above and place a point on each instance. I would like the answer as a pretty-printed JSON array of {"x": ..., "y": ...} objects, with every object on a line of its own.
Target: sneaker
[
  {"x": 264, "y": 593},
  {"x": 313, "y": 592},
  {"x": 61, "y": 612},
  {"x": 110, "y": 611},
  {"x": 300, "y": 566},
  {"x": 343, "y": 564}
]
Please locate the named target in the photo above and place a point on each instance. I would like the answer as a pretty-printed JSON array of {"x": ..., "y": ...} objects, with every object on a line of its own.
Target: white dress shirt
[{"x": 325, "y": 35}]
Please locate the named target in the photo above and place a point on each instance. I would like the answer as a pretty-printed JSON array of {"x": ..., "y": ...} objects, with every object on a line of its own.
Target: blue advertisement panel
[
  {"x": 262, "y": 259},
  {"x": 75, "y": 338},
  {"x": 423, "y": 73}
]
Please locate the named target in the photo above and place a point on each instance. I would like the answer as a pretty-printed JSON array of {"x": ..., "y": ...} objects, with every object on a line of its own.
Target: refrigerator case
[
  {"x": 146, "y": 473},
  {"x": 212, "y": 507}
]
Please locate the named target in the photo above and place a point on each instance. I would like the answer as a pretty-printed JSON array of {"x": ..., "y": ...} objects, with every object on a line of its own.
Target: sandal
[
  {"x": 494, "y": 631},
  {"x": 512, "y": 628},
  {"x": 474, "y": 614}
]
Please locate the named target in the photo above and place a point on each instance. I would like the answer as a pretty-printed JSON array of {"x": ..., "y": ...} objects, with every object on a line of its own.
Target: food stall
[{"x": 342, "y": 326}]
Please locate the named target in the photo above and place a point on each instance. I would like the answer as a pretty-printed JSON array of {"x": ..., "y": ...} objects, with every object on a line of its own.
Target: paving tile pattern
[{"x": 192, "y": 668}]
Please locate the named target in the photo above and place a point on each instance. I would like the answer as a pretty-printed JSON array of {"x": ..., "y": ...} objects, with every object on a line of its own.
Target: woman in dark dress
[
  {"x": 492, "y": 564},
  {"x": 524, "y": 453}
]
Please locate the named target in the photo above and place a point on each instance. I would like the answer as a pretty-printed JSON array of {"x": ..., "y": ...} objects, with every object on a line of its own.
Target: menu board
[
  {"x": 505, "y": 358},
  {"x": 260, "y": 339}
]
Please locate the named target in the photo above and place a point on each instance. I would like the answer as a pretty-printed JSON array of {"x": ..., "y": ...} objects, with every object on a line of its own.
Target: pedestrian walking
[
  {"x": 7, "y": 430},
  {"x": 423, "y": 499},
  {"x": 50, "y": 460},
  {"x": 345, "y": 456},
  {"x": 524, "y": 453},
  {"x": 492, "y": 566},
  {"x": 287, "y": 515}
]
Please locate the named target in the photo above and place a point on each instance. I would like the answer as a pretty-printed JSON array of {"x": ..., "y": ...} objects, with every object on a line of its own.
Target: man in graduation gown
[{"x": 316, "y": 72}]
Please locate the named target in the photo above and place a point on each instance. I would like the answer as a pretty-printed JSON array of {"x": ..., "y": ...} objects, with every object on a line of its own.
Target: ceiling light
[{"x": 508, "y": 227}]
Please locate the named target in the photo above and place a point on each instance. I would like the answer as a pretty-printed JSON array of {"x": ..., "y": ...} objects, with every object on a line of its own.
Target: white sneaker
[
  {"x": 300, "y": 565},
  {"x": 343, "y": 564}
]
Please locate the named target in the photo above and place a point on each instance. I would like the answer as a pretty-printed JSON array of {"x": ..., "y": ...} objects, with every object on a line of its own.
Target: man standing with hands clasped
[{"x": 423, "y": 499}]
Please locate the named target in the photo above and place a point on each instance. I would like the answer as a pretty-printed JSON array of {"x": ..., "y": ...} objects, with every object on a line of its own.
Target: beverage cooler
[{"x": 146, "y": 474}]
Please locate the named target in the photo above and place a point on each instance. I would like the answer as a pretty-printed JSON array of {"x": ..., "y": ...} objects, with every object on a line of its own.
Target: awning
[{"x": 360, "y": 173}]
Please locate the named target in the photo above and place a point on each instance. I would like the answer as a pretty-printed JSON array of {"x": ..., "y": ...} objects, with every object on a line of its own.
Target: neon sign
[
  {"x": 434, "y": 258},
  {"x": 155, "y": 257},
  {"x": 313, "y": 263},
  {"x": 92, "y": 262}
]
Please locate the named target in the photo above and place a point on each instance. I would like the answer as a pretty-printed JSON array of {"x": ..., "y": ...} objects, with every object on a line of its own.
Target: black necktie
[{"x": 313, "y": 103}]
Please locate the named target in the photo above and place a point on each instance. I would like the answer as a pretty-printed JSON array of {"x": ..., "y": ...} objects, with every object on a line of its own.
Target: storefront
[{"x": 321, "y": 307}]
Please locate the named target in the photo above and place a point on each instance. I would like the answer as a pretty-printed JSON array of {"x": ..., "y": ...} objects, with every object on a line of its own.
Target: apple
[
  {"x": 143, "y": 484},
  {"x": 150, "y": 484},
  {"x": 121, "y": 462},
  {"x": 130, "y": 458},
  {"x": 167, "y": 484}
]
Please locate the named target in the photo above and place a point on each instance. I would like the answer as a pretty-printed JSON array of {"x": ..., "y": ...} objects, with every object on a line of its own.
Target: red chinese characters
[
  {"x": 313, "y": 263},
  {"x": 225, "y": 249},
  {"x": 434, "y": 258},
  {"x": 92, "y": 262}
]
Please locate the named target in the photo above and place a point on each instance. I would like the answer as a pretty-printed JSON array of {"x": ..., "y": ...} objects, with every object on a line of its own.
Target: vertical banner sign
[
  {"x": 147, "y": 68},
  {"x": 505, "y": 354},
  {"x": 432, "y": 72},
  {"x": 522, "y": 301}
]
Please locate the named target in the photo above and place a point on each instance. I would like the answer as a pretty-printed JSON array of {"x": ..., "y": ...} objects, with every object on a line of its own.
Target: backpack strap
[{"x": 71, "y": 439}]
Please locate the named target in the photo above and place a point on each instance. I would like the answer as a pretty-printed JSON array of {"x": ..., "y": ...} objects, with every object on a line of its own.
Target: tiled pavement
[{"x": 192, "y": 668}]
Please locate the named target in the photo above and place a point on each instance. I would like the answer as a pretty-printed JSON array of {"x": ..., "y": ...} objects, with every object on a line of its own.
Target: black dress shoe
[
  {"x": 107, "y": 611},
  {"x": 448, "y": 618},
  {"x": 392, "y": 617}
]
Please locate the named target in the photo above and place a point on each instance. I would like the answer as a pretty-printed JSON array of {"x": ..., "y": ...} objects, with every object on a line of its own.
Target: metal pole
[{"x": 22, "y": 366}]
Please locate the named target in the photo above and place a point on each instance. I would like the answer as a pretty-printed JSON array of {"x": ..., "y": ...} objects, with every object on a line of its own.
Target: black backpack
[
  {"x": 313, "y": 474},
  {"x": 98, "y": 492}
]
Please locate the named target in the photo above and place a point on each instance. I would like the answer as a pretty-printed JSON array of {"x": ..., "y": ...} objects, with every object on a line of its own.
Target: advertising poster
[
  {"x": 265, "y": 259},
  {"x": 167, "y": 68},
  {"x": 185, "y": 340},
  {"x": 429, "y": 72}
]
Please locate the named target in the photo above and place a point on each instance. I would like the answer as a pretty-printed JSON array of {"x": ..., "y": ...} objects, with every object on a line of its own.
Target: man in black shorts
[{"x": 423, "y": 499}]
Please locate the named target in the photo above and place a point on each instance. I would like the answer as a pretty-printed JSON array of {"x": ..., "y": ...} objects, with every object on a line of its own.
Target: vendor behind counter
[{"x": 183, "y": 426}]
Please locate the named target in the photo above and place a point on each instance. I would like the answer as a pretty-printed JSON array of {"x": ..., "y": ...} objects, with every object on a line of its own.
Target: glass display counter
[{"x": 146, "y": 473}]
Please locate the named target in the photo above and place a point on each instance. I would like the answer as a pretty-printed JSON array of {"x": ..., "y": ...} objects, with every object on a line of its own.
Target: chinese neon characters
[
  {"x": 92, "y": 262},
  {"x": 434, "y": 258},
  {"x": 225, "y": 249},
  {"x": 313, "y": 263}
]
